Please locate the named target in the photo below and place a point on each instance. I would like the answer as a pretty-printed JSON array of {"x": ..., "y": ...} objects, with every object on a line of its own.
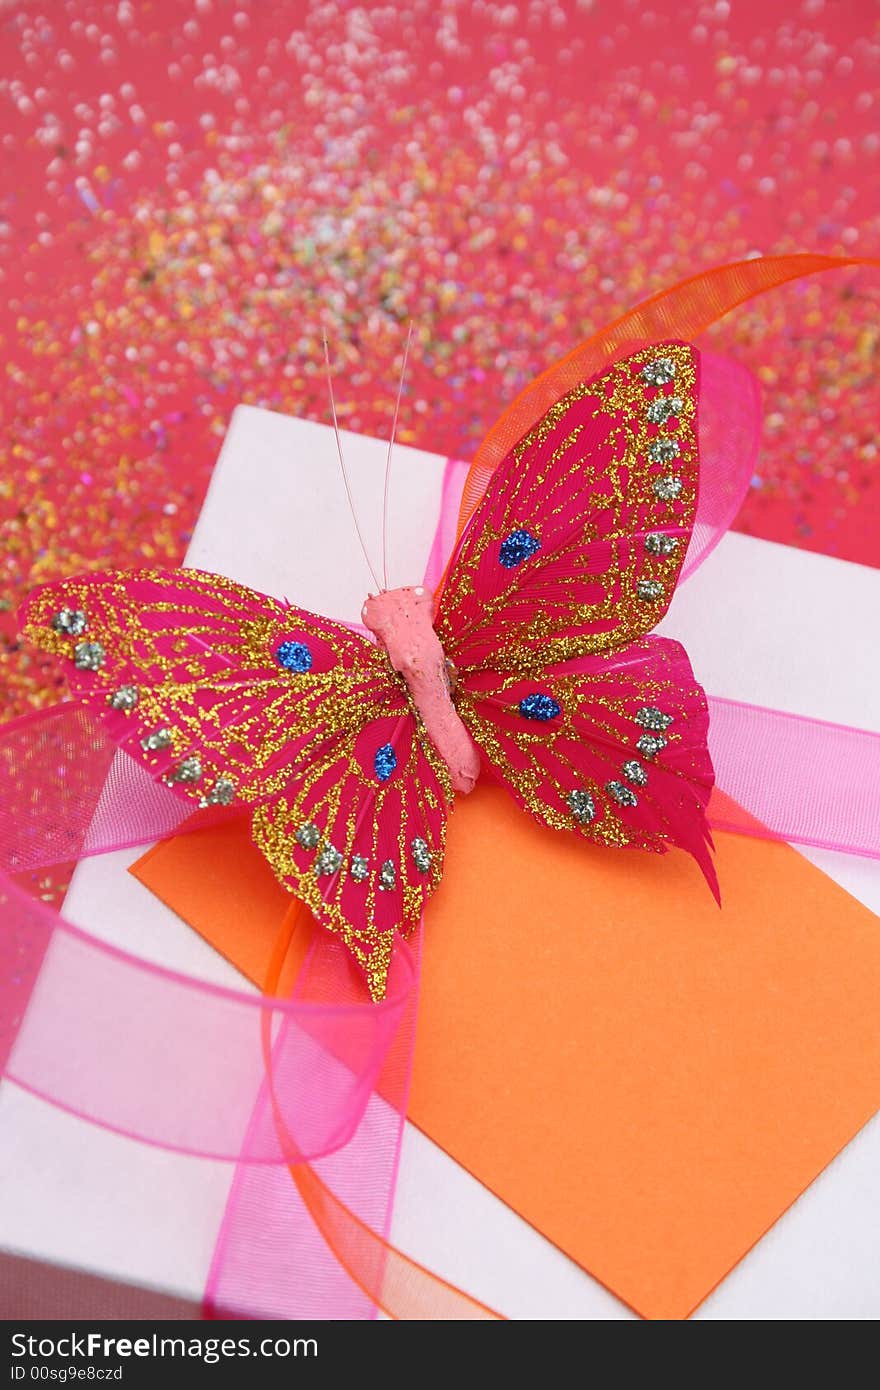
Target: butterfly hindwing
[
  {"x": 360, "y": 839},
  {"x": 611, "y": 746}
]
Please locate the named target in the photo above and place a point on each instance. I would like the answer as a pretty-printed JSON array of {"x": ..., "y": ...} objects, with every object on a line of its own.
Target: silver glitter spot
[
  {"x": 621, "y": 794},
  {"x": 159, "y": 738},
  {"x": 189, "y": 770},
  {"x": 421, "y": 855},
  {"x": 663, "y": 409},
  {"x": 328, "y": 861},
  {"x": 71, "y": 621},
  {"x": 667, "y": 489},
  {"x": 663, "y": 450},
  {"x": 221, "y": 793},
  {"x": 649, "y": 590},
  {"x": 125, "y": 698},
  {"x": 635, "y": 773},
  {"x": 649, "y": 745},
  {"x": 656, "y": 543},
  {"x": 308, "y": 835},
  {"x": 88, "y": 656},
  {"x": 582, "y": 806},
  {"x": 387, "y": 876},
  {"x": 659, "y": 372},
  {"x": 360, "y": 868},
  {"x": 650, "y": 717}
]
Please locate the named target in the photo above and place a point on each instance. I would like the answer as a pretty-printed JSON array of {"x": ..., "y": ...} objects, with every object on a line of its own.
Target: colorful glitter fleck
[{"x": 192, "y": 190}]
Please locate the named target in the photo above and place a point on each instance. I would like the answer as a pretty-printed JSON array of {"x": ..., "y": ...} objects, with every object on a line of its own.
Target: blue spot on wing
[
  {"x": 519, "y": 546},
  {"x": 539, "y": 706},
  {"x": 385, "y": 762},
  {"x": 295, "y": 656}
]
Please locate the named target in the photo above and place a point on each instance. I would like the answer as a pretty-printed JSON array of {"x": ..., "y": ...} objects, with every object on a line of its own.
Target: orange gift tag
[{"x": 647, "y": 1080}]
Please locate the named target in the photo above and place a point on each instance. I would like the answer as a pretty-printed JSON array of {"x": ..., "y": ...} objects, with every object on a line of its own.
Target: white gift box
[{"x": 142, "y": 1222}]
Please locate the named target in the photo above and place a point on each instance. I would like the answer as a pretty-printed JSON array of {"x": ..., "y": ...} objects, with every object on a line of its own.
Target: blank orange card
[{"x": 646, "y": 1079}]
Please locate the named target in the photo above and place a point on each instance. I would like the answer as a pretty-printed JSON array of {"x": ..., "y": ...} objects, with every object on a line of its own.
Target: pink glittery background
[{"x": 191, "y": 190}]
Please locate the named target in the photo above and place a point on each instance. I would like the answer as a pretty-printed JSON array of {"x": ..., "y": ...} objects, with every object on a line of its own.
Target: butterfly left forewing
[{"x": 194, "y": 674}]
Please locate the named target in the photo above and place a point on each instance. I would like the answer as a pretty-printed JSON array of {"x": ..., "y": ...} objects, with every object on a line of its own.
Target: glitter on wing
[
  {"x": 577, "y": 545},
  {"x": 184, "y": 664}
]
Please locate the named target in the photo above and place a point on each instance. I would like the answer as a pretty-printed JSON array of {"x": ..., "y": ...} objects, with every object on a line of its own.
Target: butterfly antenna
[
  {"x": 387, "y": 488},
  {"x": 345, "y": 477}
]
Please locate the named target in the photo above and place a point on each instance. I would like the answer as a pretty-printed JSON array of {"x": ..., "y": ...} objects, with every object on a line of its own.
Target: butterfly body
[
  {"x": 402, "y": 620},
  {"x": 347, "y": 753}
]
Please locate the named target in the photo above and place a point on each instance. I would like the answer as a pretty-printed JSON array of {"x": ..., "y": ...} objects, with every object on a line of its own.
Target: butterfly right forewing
[{"x": 578, "y": 542}]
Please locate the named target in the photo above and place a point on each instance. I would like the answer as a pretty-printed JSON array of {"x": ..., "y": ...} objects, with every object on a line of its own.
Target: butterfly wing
[
  {"x": 360, "y": 838},
  {"x": 610, "y": 746},
  {"x": 233, "y": 698},
  {"x": 569, "y": 561},
  {"x": 578, "y": 542}
]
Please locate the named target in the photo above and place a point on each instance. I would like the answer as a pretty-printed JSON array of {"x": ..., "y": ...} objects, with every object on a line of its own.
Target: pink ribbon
[{"x": 787, "y": 777}]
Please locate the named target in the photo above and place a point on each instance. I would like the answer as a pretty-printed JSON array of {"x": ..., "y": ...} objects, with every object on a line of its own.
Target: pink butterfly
[{"x": 537, "y": 666}]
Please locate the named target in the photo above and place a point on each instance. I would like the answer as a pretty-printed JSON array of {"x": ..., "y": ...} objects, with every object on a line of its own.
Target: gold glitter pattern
[
  {"x": 594, "y": 739},
  {"x": 583, "y": 483},
  {"x": 359, "y": 818}
]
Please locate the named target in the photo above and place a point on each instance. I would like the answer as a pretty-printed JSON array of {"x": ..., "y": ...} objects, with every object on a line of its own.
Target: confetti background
[{"x": 191, "y": 190}]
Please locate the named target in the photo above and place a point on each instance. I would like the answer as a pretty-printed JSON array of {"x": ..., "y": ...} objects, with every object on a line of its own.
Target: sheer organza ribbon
[{"x": 308, "y": 1094}]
